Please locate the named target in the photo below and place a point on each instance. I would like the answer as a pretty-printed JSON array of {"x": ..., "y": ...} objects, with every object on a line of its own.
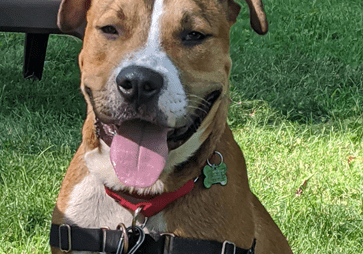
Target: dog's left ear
[{"x": 257, "y": 14}]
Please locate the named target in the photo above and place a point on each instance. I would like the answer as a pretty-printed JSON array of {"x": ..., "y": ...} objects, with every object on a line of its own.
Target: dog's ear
[
  {"x": 72, "y": 15},
  {"x": 233, "y": 10},
  {"x": 257, "y": 16}
]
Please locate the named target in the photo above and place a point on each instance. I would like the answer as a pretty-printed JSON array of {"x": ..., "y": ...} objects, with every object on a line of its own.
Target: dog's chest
[{"x": 91, "y": 207}]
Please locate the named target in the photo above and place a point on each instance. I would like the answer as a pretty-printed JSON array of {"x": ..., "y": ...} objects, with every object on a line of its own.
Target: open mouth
[
  {"x": 175, "y": 137},
  {"x": 179, "y": 136},
  {"x": 139, "y": 149}
]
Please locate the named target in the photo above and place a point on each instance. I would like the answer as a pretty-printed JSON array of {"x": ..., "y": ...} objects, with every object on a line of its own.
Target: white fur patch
[
  {"x": 91, "y": 207},
  {"x": 172, "y": 99},
  {"x": 153, "y": 40}
]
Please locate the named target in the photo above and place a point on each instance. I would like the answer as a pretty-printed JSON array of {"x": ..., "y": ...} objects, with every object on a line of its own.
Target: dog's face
[
  {"x": 165, "y": 63},
  {"x": 155, "y": 74}
]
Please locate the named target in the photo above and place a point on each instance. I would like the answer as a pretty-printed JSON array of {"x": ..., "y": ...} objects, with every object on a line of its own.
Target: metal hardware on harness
[
  {"x": 252, "y": 249},
  {"x": 134, "y": 231},
  {"x": 169, "y": 234},
  {"x": 104, "y": 237},
  {"x": 145, "y": 221},
  {"x": 123, "y": 244},
  {"x": 224, "y": 247},
  {"x": 136, "y": 214},
  {"x": 168, "y": 244},
  {"x": 69, "y": 238}
]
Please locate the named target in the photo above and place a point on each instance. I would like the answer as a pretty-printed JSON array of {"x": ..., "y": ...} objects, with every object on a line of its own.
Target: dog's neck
[{"x": 192, "y": 168}]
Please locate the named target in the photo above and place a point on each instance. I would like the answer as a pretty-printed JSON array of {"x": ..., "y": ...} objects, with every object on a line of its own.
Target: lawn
[{"x": 296, "y": 112}]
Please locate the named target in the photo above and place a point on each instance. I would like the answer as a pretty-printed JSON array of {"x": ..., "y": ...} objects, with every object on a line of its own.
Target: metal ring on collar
[
  {"x": 220, "y": 155},
  {"x": 136, "y": 214}
]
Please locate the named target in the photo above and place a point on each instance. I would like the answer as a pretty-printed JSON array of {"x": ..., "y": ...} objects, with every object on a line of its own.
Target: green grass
[
  {"x": 40, "y": 130},
  {"x": 297, "y": 113}
]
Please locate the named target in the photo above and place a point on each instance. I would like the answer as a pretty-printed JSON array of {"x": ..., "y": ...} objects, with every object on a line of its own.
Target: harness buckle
[
  {"x": 224, "y": 246},
  {"x": 69, "y": 237}
]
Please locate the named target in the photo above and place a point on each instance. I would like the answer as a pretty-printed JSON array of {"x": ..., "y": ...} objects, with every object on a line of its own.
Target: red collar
[{"x": 153, "y": 205}]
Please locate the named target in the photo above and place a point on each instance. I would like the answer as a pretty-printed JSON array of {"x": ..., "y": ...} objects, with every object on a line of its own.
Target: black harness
[{"x": 69, "y": 238}]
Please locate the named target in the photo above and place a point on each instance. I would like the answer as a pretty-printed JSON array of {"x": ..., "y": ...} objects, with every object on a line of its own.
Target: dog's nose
[{"x": 139, "y": 84}]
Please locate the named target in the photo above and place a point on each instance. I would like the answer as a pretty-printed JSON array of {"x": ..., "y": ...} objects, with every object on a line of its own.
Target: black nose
[{"x": 139, "y": 84}]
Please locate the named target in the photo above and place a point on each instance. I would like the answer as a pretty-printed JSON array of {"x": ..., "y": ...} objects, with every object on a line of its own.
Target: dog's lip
[
  {"x": 175, "y": 136},
  {"x": 134, "y": 197},
  {"x": 106, "y": 131},
  {"x": 180, "y": 135}
]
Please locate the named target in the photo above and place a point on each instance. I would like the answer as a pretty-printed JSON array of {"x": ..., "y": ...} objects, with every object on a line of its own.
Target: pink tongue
[{"x": 138, "y": 153}]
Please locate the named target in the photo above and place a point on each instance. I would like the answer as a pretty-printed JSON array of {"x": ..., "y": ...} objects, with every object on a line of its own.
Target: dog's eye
[
  {"x": 192, "y": 38},
  {"x": 109, "y": 30}
]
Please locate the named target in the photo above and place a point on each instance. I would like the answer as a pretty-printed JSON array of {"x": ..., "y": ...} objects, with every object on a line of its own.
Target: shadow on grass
[
  {"x": 58, "y": 92},
  {"x": 62, "y": 97},
  {"x": 303, "y": 89},
  {"x": 37, "y": 115},
  {"x": 308, "y": 66}
]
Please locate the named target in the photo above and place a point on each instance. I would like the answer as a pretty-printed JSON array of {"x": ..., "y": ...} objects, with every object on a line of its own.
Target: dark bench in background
[{"x": 36, "y": 18}]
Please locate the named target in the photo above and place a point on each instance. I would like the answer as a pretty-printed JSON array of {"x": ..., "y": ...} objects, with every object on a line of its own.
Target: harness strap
[{"x": 69, "y": 238}]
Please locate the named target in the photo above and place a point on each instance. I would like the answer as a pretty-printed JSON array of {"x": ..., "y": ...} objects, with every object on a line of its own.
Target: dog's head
[{"x": 155, "y": 73}]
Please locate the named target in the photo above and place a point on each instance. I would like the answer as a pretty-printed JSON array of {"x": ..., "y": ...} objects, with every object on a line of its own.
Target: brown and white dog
[{"x": 154, "y": 74}]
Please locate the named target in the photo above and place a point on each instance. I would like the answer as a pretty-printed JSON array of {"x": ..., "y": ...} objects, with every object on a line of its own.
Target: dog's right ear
[{"x": 72, "y": 15}]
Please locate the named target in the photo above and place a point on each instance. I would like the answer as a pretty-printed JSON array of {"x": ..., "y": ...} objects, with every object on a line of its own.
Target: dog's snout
[{"x": 139, "y": 84}]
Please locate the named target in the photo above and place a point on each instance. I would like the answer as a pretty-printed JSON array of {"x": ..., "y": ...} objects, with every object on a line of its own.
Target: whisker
[
  {"x": 198, "y": 108},
  {"x": 197, "y": 97},
  {"x": 199, "y": 100}
]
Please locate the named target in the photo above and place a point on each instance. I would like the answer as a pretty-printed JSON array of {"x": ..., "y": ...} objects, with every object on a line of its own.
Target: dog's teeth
[{"x": 111, "y": 129}]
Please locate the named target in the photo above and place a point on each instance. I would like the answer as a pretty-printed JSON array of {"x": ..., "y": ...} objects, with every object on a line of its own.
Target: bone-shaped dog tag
[{"x": 215, "y": 174}]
